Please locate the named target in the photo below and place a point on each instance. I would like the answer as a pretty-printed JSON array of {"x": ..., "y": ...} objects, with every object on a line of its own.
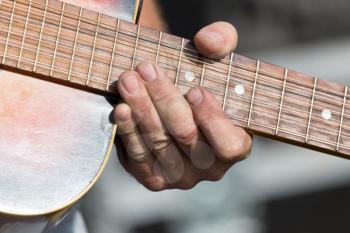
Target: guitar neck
[{"x": 65, "y": 43}]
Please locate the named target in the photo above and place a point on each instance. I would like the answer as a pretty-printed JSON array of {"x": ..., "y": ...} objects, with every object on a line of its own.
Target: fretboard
[{"x": 65, "y": 43}]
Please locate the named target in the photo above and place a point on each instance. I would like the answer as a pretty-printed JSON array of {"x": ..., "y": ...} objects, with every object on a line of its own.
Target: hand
[{"x": 172, "y": 141}]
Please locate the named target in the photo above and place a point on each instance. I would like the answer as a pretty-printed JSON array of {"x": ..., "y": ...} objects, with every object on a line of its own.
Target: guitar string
[
  {"x": 268, "y": 115},
  {"x": 315, "y": 106},
  {"x": 155, "y": 41},
  {"x": 311, "y": 138},
  {"x": 325, "y": 90},
  {"x": 338, "y": 102},
  {"x": 320, "y": 93},
  {"x": 221, "y": 94}
]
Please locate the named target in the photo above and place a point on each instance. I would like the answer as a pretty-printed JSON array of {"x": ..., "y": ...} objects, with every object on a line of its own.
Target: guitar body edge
[{"x": 54, "y": 141}]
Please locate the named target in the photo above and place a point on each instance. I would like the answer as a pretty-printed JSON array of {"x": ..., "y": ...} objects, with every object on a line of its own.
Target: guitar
[
  {"x": 47, "y": 164},
  {"x": 60, "y": 65}
]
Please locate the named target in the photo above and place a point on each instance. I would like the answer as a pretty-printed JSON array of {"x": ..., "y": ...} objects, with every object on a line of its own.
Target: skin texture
[{"x": 173, "y": 141}]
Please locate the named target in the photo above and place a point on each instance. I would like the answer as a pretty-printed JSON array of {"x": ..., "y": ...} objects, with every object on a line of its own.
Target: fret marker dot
[
  {"x": 189, "y": 76},
  {"x": 326, "y": 114},
  {"x": 239, "y": 89}
]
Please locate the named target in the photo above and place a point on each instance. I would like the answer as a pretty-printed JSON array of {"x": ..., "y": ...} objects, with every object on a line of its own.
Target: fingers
[
  {"x": 229, "y": 142},
  {"x": 140, "y": 161},
  {"x": 172, "y": 107},
  {"x": 155, "y": 136},
  {"x": 216, "y": 40}
]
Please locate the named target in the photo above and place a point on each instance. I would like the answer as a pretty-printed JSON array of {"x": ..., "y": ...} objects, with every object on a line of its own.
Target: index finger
[{"x": 172, "y": 107}]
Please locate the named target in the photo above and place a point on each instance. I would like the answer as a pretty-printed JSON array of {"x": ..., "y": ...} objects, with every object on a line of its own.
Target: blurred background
[{"x": 280, "y": 188}]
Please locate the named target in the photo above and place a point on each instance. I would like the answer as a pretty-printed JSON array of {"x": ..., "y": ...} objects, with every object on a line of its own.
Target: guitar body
[{"x": 54, "y": 143}]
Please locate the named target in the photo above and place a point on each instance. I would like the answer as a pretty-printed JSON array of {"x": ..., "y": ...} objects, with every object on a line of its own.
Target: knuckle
[
  {"x": 160, "y": 143},
  {"x": 137, "y": 153},
  {"x": 186, "y": 135},
  {"x": 237, "y": 150}
]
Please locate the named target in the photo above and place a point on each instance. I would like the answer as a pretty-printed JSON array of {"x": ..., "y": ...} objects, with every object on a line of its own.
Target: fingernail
[
  {"x": 131, "y": 84},
  {"x": 195, "y": 97},
  {"x": 147, "y": 72}
]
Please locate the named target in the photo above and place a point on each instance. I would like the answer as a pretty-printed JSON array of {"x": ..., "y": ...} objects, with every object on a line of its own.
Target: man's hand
[{"x": 172, "y": 141}]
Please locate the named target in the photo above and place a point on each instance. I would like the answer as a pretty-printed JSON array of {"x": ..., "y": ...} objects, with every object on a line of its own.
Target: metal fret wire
[
  {"x": 57, "y": 38},
  {"x": 9, "y": 30},
  {"x": 263, "y": 74},
  {"x": 112, "y": 56},
  {"x": 159, "y": 44},
  {"x": 135, "y": 48},
  {"x": 75, "y": 43},
  {"x": 311, "y": 110},
  {"x": 228, "y": 81},
  {"x": 282, "y": 99},
  {"x": 258, "y": 124},
  {"x": 24, "y": 34},
  {"x": 208, "y": 59},
  {"x": 342, "y": 118},
  {"x": 235, "y": 105},
  {"x": 270, "y": 105},
  {"x": 260, "y": 74},
  {"x": 40, "y": 35},
  {"x": 93, "y": 50},
  {"x": 253, "y": 94},
  {"x": 202, "y": 75},
  {"x": 179, "y": 62},
  {"x": 213, "y": 80}
]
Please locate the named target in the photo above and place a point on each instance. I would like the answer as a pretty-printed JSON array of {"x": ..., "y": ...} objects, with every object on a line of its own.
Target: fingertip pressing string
[{"x": 186, "y": 49}]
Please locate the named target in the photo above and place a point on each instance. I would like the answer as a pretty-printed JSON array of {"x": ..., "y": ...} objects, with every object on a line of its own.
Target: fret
[
  {"x": 179, "y": 62},
  {"x": 282, "y": 100},
  {"x": 311, "y": 110},
  {"x": 40, "y": 36},
  {"x": 253, "y": 94},
  {"x": 228, "y": 81},
  {"x": 113, "y": 54},
  {"x": 93, "y": 49},
  {"x": 159, "y": 44},
  {"x": 342, "y": 119},
  {"x": 75, "y": 44},
  {"x": 24, "y": 34},
  {"x": 9, "y": 32},
  {"x": 57, "y": 39},
  {"x": 135, "y": 48},
  {"x": 202, "y": 75}
]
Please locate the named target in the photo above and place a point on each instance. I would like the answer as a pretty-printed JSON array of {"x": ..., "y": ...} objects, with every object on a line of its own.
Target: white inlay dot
[
  {"x": 239, "y": 89},
  {"x": 189, "y": 76},
  {"x": 326, "y": 114}
]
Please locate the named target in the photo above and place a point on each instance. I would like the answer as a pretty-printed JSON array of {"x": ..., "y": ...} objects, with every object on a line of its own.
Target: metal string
[
  {"x": 208, "y": 75},
  {"x": 122, "y": 68},
  {"x": 277, "y": 95},
  {"x": 268, "y": 115},
  {"x": 152, "y": 40}
]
